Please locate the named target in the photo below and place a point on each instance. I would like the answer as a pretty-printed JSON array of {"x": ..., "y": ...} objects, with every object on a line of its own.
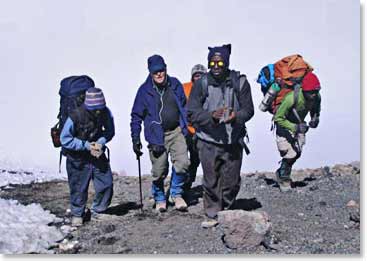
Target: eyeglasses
[{"x": 218, "y": 63}]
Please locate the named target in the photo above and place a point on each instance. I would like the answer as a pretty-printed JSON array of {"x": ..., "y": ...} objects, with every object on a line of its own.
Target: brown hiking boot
[
  {"x": 180, "y": 203},
  {"x": 160, "y": 206},
  {"x": 209, "y": 223}
]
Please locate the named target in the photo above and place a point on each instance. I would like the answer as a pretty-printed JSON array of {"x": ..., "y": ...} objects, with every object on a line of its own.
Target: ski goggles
[{"x": 218, "y": 63}]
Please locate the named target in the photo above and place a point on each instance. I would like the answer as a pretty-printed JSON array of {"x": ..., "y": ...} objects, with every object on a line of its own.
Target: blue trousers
[{"x": 80, "y": 173}]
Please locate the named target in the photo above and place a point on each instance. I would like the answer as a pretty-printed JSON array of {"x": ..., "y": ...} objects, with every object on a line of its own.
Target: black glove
[
  {"x": 157, "y": 150},
  {"x": 137, "y": 148},
  {"x": 314, "y": 122},
  {"x": 302, "y": 128}
]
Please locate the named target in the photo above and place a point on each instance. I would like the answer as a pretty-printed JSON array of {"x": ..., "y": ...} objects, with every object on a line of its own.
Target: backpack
[
  {"x": 236, "y": 80},
  {"x": 72, "y": 95},
  {"x": 291, "y": 69},
  {"x": 266, "y": 77},
  {"x": 285, "y": 74}
]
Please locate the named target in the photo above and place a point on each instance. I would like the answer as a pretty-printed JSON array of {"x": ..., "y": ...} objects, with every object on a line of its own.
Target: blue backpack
[
  {"x": 72, "y": 95},
  {"x": 266, "y": 77}
]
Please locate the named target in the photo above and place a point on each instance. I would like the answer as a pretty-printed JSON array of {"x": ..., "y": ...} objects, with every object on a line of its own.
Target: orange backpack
[
  {"x": 288, "y": 72},
  {"x": 291, "y": 69}
]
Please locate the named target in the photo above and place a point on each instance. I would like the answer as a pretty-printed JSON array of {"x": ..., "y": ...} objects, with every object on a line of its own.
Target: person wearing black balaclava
[{"x": 219, "y": 106}]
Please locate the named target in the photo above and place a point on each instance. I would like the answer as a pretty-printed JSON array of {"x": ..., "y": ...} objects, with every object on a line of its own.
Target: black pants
[
  {"x": 194, "y": 161},
  {"x": 222, "y": 168}
]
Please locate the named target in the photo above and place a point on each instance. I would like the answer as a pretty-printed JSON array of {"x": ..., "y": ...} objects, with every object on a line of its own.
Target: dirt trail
[{"x": 312, "y": 219}]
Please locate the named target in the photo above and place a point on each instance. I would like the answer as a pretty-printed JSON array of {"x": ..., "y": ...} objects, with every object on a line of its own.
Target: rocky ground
[{"x": 319, "y": 216}]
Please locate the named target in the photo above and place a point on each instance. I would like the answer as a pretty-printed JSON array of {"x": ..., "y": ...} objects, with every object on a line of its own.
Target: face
[
  {"x": 310, "y": 98},
  {"x": 196, "y": 76},
  {"x": 159, "y": 77},
  {"x": 217, "y": 66}
]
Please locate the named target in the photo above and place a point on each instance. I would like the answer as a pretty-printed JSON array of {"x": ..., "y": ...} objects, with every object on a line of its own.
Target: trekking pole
[{"x": 141, "y": 194}]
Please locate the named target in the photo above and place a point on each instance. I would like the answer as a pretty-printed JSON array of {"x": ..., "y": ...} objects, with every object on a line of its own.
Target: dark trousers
[
  {"x": 194, "y": 161},
  {"x": 80, "y": 173},
  {"x": 222, "y": 175}
]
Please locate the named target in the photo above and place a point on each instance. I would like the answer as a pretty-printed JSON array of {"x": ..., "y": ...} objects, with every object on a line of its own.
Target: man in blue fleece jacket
[{"x": 160, "y": 103}]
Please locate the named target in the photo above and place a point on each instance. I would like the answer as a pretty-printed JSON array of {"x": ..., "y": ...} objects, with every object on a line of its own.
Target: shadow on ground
[{"x": 247, "y": 204}]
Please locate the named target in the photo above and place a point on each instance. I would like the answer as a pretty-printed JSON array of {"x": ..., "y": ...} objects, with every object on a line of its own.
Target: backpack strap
[
  {"x": 297, "y": 89},
  {"x": 204, "y": 85}
]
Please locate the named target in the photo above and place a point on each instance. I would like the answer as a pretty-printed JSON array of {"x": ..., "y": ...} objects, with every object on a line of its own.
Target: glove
[
  {"x": 218, "y": 114},
  {"x": 314, "y": 122},
  {"x": 96, "y": 149},
  {"x": 137, "y": 148},
  {"x": 302, "y": 128},
  {"x": 157, "y": 150}
]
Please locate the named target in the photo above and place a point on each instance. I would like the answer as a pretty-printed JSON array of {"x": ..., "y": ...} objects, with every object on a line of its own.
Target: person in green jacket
[{"x": 291, "y": 126}]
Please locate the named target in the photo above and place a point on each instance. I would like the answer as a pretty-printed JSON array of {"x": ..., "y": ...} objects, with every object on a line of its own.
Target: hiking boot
[
  {"x": 76, "y": 221},
  {"x": 283, "y": 176},
  {"x": 161, "y": 206},
  {"x": 209, "y": 223},
  {"x": 180, "y": 203},
  {"x": 285, "y": 186},
  {"x": 99, "y": 216}
]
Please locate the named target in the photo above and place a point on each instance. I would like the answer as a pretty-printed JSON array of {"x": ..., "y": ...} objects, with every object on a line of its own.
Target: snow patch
[
  {"x": 26, "y": 229},
  {"x": 10, "y": 175}
]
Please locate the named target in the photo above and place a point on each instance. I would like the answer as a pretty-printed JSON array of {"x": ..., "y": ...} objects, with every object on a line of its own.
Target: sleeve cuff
[{"x": 102, "y": 141}]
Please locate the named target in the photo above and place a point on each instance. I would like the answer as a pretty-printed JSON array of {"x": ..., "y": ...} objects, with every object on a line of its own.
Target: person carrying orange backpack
[{"x": 196, "y": 72}]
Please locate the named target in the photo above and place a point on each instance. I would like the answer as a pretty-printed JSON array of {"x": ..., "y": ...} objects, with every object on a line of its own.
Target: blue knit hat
[
  {"x": 156, "y": 63},
  {"x": 223, "y": 51},
  {"x": 94, "y": 99}
]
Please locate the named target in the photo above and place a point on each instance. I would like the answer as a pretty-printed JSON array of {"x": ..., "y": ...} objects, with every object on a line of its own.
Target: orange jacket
[{"x": 187, "y": 90}]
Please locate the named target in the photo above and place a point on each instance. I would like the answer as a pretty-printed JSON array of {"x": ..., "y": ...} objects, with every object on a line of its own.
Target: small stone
[
  {"x": 322, "y": 203},
  {"x": 352, "y": 204},
  {"x": 301, "y": 214}
]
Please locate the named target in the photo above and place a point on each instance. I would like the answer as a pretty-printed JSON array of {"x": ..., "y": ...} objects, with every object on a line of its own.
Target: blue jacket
[
  {"x": 146, "y": 109},
  {"x": 70, "y": 142}
]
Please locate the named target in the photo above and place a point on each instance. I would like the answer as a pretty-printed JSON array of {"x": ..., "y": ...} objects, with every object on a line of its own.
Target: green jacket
[{"x": 285, "y": 118}]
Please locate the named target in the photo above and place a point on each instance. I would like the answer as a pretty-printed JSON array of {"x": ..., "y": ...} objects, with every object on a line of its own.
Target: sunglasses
[{"x": 218, "y": 63}]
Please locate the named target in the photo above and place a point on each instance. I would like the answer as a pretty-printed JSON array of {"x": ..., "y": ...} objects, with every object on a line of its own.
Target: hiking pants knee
[
  {"x": 176, "y": 148},
  {"x": 79, "y": 175},
  {"x": 222, "y": 175},
  {"x": 288, "y": 149}
]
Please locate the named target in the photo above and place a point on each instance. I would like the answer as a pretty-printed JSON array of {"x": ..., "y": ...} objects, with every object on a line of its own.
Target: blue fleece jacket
[{"x": 146, "y": 109}]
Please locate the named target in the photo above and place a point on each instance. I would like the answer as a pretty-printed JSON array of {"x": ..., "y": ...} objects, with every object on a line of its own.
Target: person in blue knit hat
[
  {"x": 159, "y": 103},
  {"x": 220, "y": 104},
  {"x": 83, "y": 137}
]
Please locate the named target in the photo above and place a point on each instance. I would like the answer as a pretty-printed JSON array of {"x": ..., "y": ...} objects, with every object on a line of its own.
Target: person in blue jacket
[
  {"x": 160, "y": 102},
  {"x": 83, "y": 137}
]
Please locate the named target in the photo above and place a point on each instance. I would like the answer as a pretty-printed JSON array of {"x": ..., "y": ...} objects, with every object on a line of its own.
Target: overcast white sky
[{"x": 42, "y": 42}]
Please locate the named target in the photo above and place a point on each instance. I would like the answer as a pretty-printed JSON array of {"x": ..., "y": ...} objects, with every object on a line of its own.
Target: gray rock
[{"x": 243, "y": 229}]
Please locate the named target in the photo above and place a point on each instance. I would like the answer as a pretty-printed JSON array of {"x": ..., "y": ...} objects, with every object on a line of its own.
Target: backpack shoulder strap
[
  {"x": 204, "y": 85},
  {"x": 237, "y": 80},
  {"x": 297, "y": 89}
]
